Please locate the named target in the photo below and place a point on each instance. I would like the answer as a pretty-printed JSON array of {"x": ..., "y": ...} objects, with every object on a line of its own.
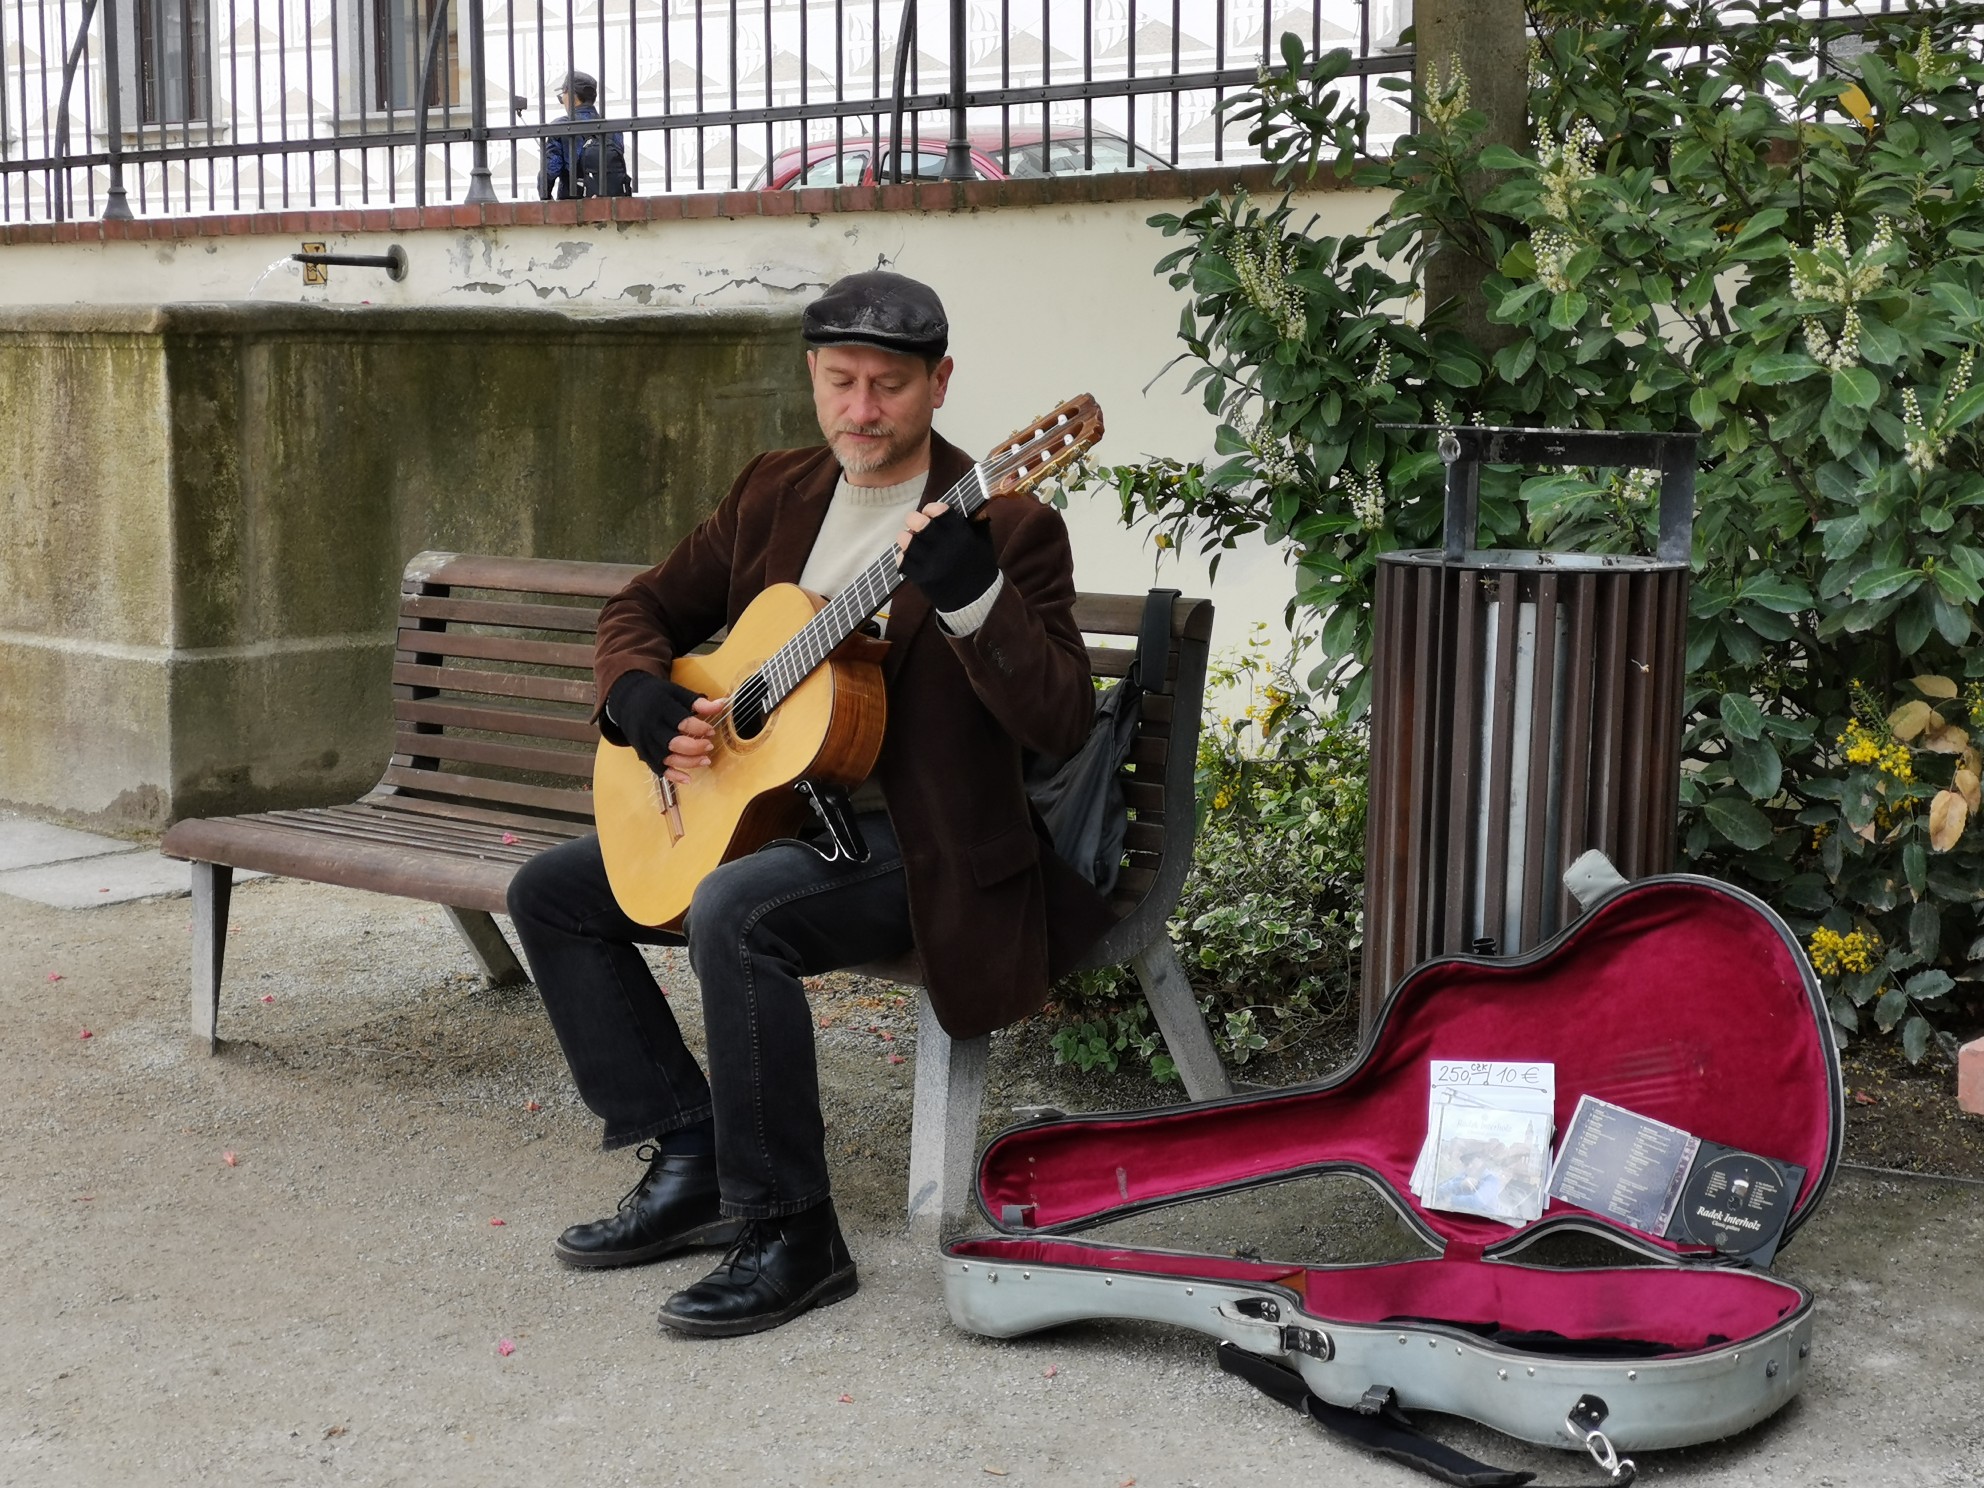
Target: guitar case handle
[{"x": 1378, "y": 1425}]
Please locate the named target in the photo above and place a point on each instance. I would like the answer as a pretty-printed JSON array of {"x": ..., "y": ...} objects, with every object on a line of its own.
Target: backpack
[
  {"x": 1081, "y": 797},
  {"x": 618, "y": 182}
]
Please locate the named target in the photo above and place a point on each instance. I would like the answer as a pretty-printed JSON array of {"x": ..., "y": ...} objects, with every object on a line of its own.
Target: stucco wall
[
  {"x": 207, "y": 509},
  {"x": 1046, "y": 298},
  {"x": 530, "y": 387}
]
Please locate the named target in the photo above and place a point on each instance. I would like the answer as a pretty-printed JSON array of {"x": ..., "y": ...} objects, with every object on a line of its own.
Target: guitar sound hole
[{"x": 747, "y": 713}]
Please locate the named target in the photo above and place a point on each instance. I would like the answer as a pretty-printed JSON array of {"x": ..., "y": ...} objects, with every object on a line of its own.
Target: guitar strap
[{"x": 1378, "y": 1425}]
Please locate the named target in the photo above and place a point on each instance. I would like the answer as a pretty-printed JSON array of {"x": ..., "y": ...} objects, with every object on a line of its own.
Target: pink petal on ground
[
  {"x": 1049, "y": 1372},
  {"x": 230, "y": 1159},
  {"x": 497, "y": 1222},
  {"x": 268, "y": 997},
  {"x": 847, "y": 1400},
  {"x": 895, "y": 1059},
  {"x": 85, "y": 1034},
  {"x": 103, "y": 891},
  {"x": 505, "y": 1347},
  {"x": 532, "y": 1106},
  {"x": 887, "y": 1037},
  {"x": 55, "y": 976},
  {"x": 509, "y": 839}
]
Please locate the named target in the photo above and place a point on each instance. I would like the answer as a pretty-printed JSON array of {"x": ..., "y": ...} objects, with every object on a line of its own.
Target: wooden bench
[{"x": 492, "y": 763}]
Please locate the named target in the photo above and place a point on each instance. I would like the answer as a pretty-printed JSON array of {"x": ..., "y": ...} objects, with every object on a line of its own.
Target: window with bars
[
  {"x": 395, "y": 44},
  {"x": 170, "y": 70}
]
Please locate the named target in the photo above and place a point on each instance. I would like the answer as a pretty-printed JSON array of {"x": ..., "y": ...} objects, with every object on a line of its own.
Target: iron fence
[{"x": 154, "y": 107}]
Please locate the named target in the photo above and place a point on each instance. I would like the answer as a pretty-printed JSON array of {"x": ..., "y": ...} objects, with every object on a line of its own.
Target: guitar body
[{"x": 828, "y": 730}]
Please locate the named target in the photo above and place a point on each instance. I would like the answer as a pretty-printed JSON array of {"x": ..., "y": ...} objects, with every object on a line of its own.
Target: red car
[{"x": 1020, "y": 155}]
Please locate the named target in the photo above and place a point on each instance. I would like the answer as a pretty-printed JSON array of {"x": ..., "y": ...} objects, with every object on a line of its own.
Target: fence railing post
[
  {"x": 116, "y": 208},
  {"x": 480, "y": 188},
  {"x": 957, "y": 150}
]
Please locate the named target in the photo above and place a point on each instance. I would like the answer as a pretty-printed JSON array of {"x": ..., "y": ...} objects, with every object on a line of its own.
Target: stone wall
[{"x": 207, "y": 508}]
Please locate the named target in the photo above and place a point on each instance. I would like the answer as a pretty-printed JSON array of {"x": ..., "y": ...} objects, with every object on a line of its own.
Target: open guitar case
[{"x": 1678, "y": 998}]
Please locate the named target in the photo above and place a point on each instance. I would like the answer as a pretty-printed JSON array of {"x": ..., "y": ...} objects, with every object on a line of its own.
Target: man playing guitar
[{"x": 983, "y": 661}]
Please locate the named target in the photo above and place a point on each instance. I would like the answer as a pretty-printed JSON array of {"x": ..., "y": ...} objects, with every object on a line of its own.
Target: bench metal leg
[
  {"x": 213, "y": 886},
  {"x": 943, "y": 1136},
  {"x": 500, "y": 967},
  {"x": 1177, "y": 1013}
]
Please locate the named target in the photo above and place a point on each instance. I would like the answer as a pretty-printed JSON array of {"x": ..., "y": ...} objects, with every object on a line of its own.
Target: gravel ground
[{"x": 297, "y": 1261}]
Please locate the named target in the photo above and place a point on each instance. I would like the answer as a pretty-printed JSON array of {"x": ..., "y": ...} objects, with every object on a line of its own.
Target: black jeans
[{"x": 755, "y": 927}]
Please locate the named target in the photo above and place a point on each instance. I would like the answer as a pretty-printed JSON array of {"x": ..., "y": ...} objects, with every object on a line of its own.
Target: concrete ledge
[{"x": 911, "y": 196}]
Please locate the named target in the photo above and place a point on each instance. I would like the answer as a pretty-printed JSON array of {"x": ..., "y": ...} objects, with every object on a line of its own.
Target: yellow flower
[{"x": 1833, "y": 953}]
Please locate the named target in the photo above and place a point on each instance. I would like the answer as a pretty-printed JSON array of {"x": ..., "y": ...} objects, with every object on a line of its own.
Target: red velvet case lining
[
  {"x": 1682, "y": 1310},
  {"x": 1676, "y": 998}
]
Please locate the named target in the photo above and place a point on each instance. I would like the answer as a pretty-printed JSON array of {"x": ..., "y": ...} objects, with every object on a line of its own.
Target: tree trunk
[{"x": 1489, "y": 40}]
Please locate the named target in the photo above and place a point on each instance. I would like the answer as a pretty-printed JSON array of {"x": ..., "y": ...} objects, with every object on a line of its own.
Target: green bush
[
  {"x": 1266, "y": 924},
  {"x": 1772, "y": 232}
]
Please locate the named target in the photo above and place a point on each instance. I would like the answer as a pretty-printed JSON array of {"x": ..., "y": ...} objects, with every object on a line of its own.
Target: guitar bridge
[{"x": 669, "y": 807}]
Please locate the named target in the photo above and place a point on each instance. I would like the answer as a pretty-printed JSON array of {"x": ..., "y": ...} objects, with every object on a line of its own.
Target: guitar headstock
[{"x": 1026, "y": 457}]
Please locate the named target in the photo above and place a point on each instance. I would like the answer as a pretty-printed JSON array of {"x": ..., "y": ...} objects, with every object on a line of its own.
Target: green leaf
[
  {"x": 1741, "y": 716},
  {"x": 1891, "y": 1009},
  {"x": 1856, "y": 387},
  {"x": 1501, "y": 157},
  {"x": 1738, "y": 821},
  {"x": 1787, "y": 596},
  {"x": 1777, "y": 367},
  {"x": 1703, "y": 408},
  {"x": 1915, "y": 865},
  {"x": 1925, "y": 930},
  {"x": 1843, "y": 536},
  {"x": 1756, "y": 767},
  {"x": 1927, "y": 986},
  {"x": 1566, "y": 310},
  {"x": 1915, "y": 1035},
  {"x": 1963, "y": 410}
]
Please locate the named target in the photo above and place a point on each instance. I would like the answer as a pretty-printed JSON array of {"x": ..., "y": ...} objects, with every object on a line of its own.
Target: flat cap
[{"x": 879, "y": 309}]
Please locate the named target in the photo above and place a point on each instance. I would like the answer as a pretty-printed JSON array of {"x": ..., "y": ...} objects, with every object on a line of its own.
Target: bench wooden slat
[
  {"x": 1123, "y": 614},
  {"x": 409, "y": 746},
  {"x": 482, "y": 815},
  {"x": 413, "y": 827},
  {"x": 414, "y": 643},
  {"x": 383, "y": 867},
  {"x": 522, "y": 721},
  {"x": 1144, "y": 798},
  {"x": 1144, "y": 836},
  {"x": 520, "y": 575},
  {"x": 480, "y": 788},
  {"x": 328, "y": 824},
  {"x": 494, "y": 684},
  {"x": 1147, "y": 751},
  {"x": 498, "y": 612}
]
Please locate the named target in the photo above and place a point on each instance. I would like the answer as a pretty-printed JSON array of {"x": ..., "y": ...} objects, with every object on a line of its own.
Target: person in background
[{"x": 571, "y": 161}]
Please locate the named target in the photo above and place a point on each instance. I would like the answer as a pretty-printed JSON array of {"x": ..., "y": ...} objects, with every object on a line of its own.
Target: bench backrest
[{"x": 493, "y": 697}]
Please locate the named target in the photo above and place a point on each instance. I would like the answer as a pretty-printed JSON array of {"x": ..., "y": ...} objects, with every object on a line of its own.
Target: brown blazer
[{"x": 995, "y": 913}]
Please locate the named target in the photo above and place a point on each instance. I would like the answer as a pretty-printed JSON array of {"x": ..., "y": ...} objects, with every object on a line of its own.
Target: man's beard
[{"x": 864, "y": 459}]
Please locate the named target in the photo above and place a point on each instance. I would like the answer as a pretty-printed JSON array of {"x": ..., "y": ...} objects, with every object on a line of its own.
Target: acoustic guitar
[{"x": 806, "y": 706}]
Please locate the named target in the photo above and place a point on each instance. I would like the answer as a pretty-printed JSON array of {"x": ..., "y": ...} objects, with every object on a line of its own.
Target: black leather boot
[
  {"x": 777, "y": 1269},
  {"x": 672, "y": 1208}
]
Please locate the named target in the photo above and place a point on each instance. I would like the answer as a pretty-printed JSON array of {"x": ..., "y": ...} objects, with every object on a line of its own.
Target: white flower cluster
[
  {"x": 1553, "y": 251},
  {"x": 1835, "y": 356},
  {"x": 1931, "y": 67},
  {"x": 1447, "y": 98},
  {"x": 1261, "y": 262},
  {"x": 1926, "y": 445},
  {"x": 1272, "y": 456},
  {"x": 1381, "y": 371},
  {"x": 1367, "y": 497},
  {"x": 1635, "y": 487},
  {"x": 1564, "y": 168},
  {"x": 1840, "y": 276}
]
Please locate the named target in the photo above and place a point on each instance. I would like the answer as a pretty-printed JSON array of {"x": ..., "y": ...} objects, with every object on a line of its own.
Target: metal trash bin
[{"x": 1525, "y": 707}]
